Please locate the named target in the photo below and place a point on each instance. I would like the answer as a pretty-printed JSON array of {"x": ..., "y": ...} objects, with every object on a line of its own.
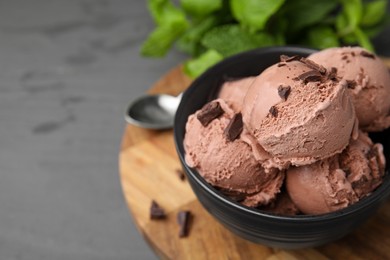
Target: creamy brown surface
[
  {"x": 339, "y": 181},
  {"x": 229, "y": 166},
  {"x": 371, "y": 93},
  {"x": 233, "y": 92},
  {"x": 315, "y": 122}
]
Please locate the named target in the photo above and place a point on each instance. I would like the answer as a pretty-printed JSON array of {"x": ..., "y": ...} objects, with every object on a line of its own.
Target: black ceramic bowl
[{"x": 253, "y": 224}]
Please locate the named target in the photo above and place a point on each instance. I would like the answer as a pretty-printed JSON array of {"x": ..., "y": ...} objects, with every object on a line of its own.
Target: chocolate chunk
[
  {"x": 332, "y": 74},
  {"x": 274, "y": 111},
  {"x": 183, "y": 219},
  {"x": 156, "y": 212},
  {"x": 351, "y": 84},
  {"x": 209, "y": 112},
  {"x": 284, "y": 91},
  {"x": 180, "y": 174},
  {"x": 311, "y": 64},
  {"x": 285, "y": 58},
  {"x": 367, "y": 54},
  {"x": 234, "y": 128},
  {"x": 309, "y": 76}
]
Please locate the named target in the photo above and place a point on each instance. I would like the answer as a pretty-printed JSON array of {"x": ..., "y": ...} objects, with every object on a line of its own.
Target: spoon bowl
[{"x": 153, "y": 111}]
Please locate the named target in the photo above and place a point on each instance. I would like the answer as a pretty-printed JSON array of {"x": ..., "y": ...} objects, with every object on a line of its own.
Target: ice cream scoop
[
  {"x": 233, "y": 92},
  {"x": 368, "y": 83},
  {"x": 339, "y": 181},
  {"x": 228, "y": 165},
  {"x": 296, "y": 112}
]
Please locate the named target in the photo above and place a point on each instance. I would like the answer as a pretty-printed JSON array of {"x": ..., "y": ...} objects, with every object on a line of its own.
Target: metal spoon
[{"x": 153, "y": 111}]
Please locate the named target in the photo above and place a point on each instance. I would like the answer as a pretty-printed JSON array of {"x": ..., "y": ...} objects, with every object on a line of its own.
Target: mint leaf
[
  {"x": 351, "y": 35},
  {"x": 322, "y": 37},
  {"x": 231, "y": 39},
  {"x": 157, "y": 9},
  {"x": 195, "y": 67},
  {"x": 164, "y": 12},
  {"x": 372, "y": 31},
  {"x": 161, "y": 39},
  {"x": 200, "y": 8},
  {"x": 189, "y": 42},
  {"x": 342, "y": 24},
  {"x": 171, "y": 23},
  {"x": 303, "y": 13},
  {"x": 254, "y": 14},
  {"x": 352, "y": 12},
  {"x": 349, "y": 39},
  {"x": 363, "y": 40},
  {"x": 374, "y": 12}
]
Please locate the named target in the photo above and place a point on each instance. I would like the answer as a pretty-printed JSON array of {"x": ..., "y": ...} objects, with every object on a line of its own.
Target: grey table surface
[{"x": 68, "y": 68}]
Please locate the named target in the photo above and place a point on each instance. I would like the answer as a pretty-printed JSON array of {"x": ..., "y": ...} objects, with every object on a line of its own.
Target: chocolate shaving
[
  {"x": 332, "y": 74},
  {"x": 274, "y": 111},
  {"x": 310, "y": 76},
  {"x": 281, "y": 64},
  {"x": 285, "y": 58},
  {"x": 183, "y": 219},
  {"x": 284, "y": 91},
  {"x": 180, "y": 174},
  {"x": 351, "y": 84},
  {"x": 367, "y": 54},
  {"x": 311, "y": 64},
  {"x": 209, "y": 112},
  {"x": 234, "y": 128},
  {"x": 156, "y": 212}
]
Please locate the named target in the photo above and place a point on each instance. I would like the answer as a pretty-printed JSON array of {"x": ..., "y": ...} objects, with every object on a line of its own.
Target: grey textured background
[{"x": 68, "y": 68}]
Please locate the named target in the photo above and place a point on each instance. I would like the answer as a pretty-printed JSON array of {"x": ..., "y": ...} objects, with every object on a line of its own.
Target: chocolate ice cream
[
  {"x": 298, "y": 114},
  {"x": 368, "y": 83},
  {"x": 226, "y": 164},
  {"x": 288, "y": 141},
  {"x": 234, "y": 91},
  {"x": 338, "y": 181}
]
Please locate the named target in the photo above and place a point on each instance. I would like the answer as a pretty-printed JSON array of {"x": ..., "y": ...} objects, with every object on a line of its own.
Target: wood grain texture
[{"x": 148, "y": 164}]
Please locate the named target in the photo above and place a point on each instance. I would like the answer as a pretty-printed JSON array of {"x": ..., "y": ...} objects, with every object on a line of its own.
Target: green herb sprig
[{"x": 211, "y": 30}]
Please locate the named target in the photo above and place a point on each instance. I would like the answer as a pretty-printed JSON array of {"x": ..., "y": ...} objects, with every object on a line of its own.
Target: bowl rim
[{"x": 379, "y": 193}]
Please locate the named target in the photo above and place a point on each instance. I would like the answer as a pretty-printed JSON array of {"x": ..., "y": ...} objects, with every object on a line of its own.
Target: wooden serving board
[{"x": 148, "y": 164}]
